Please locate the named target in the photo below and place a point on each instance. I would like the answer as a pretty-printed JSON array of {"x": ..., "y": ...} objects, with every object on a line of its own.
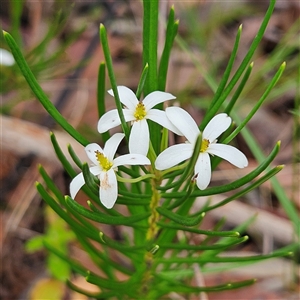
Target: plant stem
[{"x": 150, "y": 236}]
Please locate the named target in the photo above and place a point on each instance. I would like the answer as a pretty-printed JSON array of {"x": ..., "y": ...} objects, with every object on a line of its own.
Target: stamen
[
  {"x": 140, "y": 111},
  {"x": 204, "y": 145},
  {"x": 103, "y": 161}
]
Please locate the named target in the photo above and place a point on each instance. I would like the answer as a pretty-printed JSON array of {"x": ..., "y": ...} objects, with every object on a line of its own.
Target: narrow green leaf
[
  {"x": 51, "y": 185},
  {"x": 133, "y": 201},
  {"x": 102, "y": 259},
  {"x": 190, "y": 167},
  {"x": 74, "y": 265},
  {"x": 67, "y": 166},
  {"x": 184, "y": 246},
  {"x": 79, "y": 290},
  {"x": 179, "y": 287},
  {"x": 171, "y": 225},
  {"x": 39, "y": 93},
  {"x": 241, "y": 228},
  {"x": 286, "y": 203},
  {"x": 103, "y": 218},
  {"x": 118, "y": 287},
  {"x": 134, "y": 195},
  {"x": 249, "y": 188},
  {"x": 239, "y": 89},
  {"x": 111, "y": 75},
  {"x": 234, "y": 185},
  {"x": 213, "y": 110},
  {"x": 62, "y": 158},
  {"x": 89, "y": 179},
  {"x": 179, "y": 201},
  {"x": 78, "y": 228},
  {"x": 142, "y": 81},
  {"x": 101, "y": 97},
  {"x": 57, "y": 25},
  {"x": 223, "y": 259},
  {"x": 75, "y": 158},
  {"x": 60, "y": 197},
  {"x": 228, "y": 69},
  {"x": 171, "y": 32},
  {"x": 117, "y": 245},
  {"x": 183, "y": 220},
  {"x": 257, "y": 105}
]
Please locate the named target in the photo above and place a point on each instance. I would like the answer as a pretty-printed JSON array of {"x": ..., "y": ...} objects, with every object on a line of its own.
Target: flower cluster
[{"x": 174, "y": 119}]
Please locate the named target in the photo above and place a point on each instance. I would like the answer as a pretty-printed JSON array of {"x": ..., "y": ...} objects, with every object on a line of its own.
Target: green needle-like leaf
[
  {"x": 89, "y": 179},
  {"x": 79, "y": 290},
  {"x": 78, "y": 228},
  {"x": 171, "y": 32},
  {"x": 101, "y": 97},
  {"x": 223, "y": 259},
  {"x": 121, "y": 246},
  {"x": 190, "y": 167},
  {"x": 74, "y": 265},
  {"x": 103, "y": 218},
  {"x": 182, "y": 220},
  {"x": 120, "y": 288},
  {"x": 111, "y": 75},
  {"x": 239, "y": 89},
  {"x": 249, "y": 188},
  {"x": 257, "y": 105},
  {"x": 75, "y": 158},
  {"x": 171, "y": 225},
  {"x": 51, "y": 185},
  {"x": 62, "y": 158},
  {"x": 213, "y": 110},
  {"x": 228, "y": 68},
  {"x": 234, "y": 185},
  {"x": 142, "y": 81},
  {"x": 39, "y": 93},
  {"x": 184, "y": 246}
]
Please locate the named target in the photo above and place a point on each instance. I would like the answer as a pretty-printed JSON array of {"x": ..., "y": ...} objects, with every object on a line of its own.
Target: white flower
[
  {"x": 6, "y": 58},
  {"x": 178, "y": 153},
  {"x": 137, "y": 112},
  {"x": 104, "y": 167}
]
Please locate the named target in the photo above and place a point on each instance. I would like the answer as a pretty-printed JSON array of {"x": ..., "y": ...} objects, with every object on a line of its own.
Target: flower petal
[
  {"x": 111, "y": 119},
  {"x": 95, "y": 170},
  {"x": 127, "y": 97},
  {"x": 173, "y": 155},
  {"x": 108, "y": 120},
  {"x": 112, "y": 144},
  {"x": 229, "y": 153},
  {"x": 139, "y": 138},
  {"x": 6, "y": 58},
  {"x": 108, "y": 188},
  {"x": 131, "y": 159},
  {"x": 76, "y": 184},
  {"x": 216, "y": 126},
  {"x": 183, "y": 121},
  {"x": 160, "y": 117},
  {"x": 90, "y": 150},
  {"x": 155, "y": 98},
  {"x": 203, "y": 171}
]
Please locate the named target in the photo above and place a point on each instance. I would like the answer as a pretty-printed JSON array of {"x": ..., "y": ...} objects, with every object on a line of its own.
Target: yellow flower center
[
  {"x": 140, "y": 111},
  {"x": 103, "y": 161},
  {"x": 204, "y": 145}
]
